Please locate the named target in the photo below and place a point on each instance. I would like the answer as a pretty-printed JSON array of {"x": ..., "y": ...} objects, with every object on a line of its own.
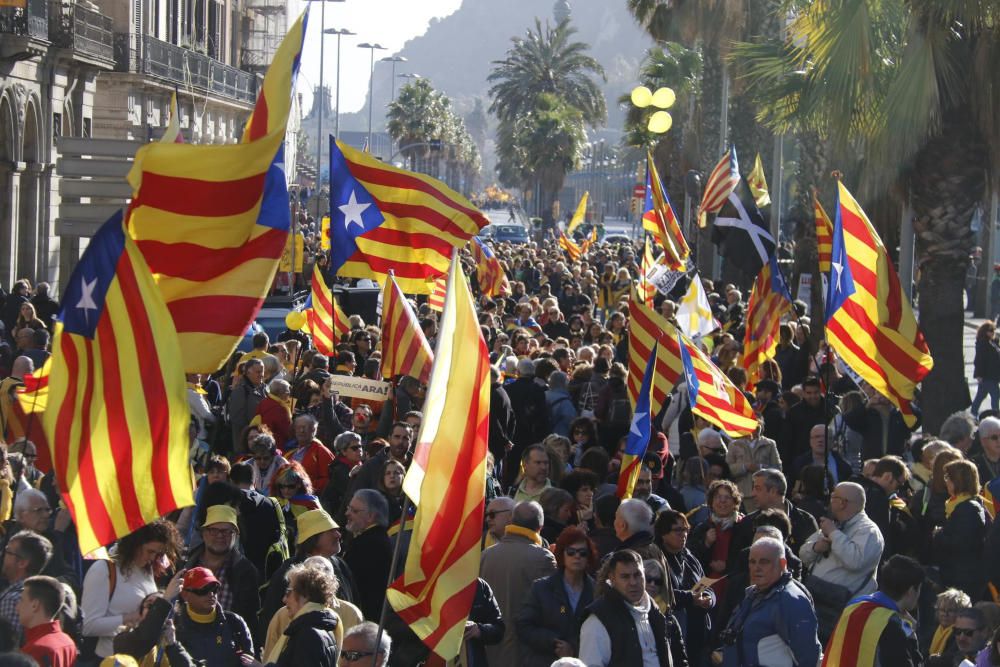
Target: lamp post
[
  {"x": 319, "y": 128},
  {"x": 393, "y": 60},
  {"x": 339, "y": 32},
  {"x": 371, "y": 80}
]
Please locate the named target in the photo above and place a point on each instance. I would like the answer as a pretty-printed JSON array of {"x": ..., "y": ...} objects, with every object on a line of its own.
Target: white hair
[
  {"x": 707, "y": 435},
  {"x": 368, "y": 632},
  {"x": 22, "y": 502},
  {"x": 568, "y": 662},
  {"x": 990, "y": 425},
  {"x": 636, "y": 514},
  {"x": 775, "y": 547}
]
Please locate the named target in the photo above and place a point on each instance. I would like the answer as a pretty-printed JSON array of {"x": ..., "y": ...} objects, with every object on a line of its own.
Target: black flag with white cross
[{"x": 741, "y": 232}]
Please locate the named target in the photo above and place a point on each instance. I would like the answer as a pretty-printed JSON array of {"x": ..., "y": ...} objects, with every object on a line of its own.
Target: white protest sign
[{"x": 358, "y": 387}]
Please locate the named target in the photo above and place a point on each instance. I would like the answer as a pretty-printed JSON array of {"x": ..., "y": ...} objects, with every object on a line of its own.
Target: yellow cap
[
  {"x": 220, "y": 514},
  {"x": 314, "y": 522}
]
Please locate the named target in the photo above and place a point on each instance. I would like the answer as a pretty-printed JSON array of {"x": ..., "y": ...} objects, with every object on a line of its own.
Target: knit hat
[
  {"x": 314, "y": 522},
  {"x": 220, "y": 514}
]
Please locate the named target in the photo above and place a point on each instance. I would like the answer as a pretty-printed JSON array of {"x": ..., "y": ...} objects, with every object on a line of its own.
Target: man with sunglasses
[
  {"x": 971, "y": 632},
  {"x": 238, "y": 577},
  {"x": 360, "y": 645},
  {"x": 210, "y": 634}
]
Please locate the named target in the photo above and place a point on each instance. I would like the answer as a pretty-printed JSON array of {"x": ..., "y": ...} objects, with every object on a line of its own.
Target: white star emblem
[
  {"x": 352, "y": 211},
  {"x": 87, "y": 303},
  {"x": 639, "y": 416},
  {"x": 838, "y": 272}
]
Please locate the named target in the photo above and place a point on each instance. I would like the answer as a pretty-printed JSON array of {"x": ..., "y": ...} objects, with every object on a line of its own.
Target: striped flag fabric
[
  {"x": 647, "y": 289},
  {"x": 436, "y": 299},
  {"x": 694, "y": 313},
  {"x": 447, "y": 482},
  {"x": 638, "y": 435},
  {"x": 869, "y": 320},
  {"x": 325, "y": 321},
  {"x": 384, "y": 218},
  {"x": 492, "y": 278},
  {"x": 824, "y": 235},
  {"x": 579, "y": 215},
  {"x": 770, "y": 301},
  {"x": 405, "y": 350},
  {"x": 172, "y": 134},
  {"x": 212, "y": 220},
  {"x": 660, "y": 221},
  {"x": 120, "y": 457},
  {"x": 591, "y": 239},
  {"x": 856, "y": 636},
  {"x": 721, "y": 183},
  {"x": 646, "y": 328},
  {"x": 712, "y": 395},
  {"x": 573, "y": 251},
  {"x": 26, "y": 414},
  {"x": 758, "y": 184}
]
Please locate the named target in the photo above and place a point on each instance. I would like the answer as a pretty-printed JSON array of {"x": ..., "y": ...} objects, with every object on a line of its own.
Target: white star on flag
[
  {"x": 636, "y": 420},
  {"x": 87, "y": 303},
  {"x": 352, "y": 211}
]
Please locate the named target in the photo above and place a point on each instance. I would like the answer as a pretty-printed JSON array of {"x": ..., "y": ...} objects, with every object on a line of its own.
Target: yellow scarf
[
  {"x": 953, "y": 502},
  {"x": 196, "y": 388},
  {"x": 279, "y": 645},
  {"x": 940, "y": 640},
  {"x": 284, "y": 402},
  {"x": 201, "y": 618},
  {"x": 523, "y": 532}
]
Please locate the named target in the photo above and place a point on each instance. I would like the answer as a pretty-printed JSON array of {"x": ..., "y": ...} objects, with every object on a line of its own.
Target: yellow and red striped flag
[
  {"x": 325, "y": 321},
  {"x": 646, "y": 287},
  {"x": 711, "y": 394},
  {"x": 646, "y": 328},
  {"x": 856, "y": 636},
  {"x": 121, "y": 457},
  {"x": 824, "y": 235},
  {"x": 405, "y": 350},
  {"x": 869, "y": 320},
  {"x": 25, "y": 419},
  {"x": 447, "y": 482},
  {"x": 660, "y": 221},
  {"x": 721, "y": 183},
  {"x": 436, "y": 299},
  {"x": 492, "y": 278},
  {"x": 212, "y": 221},
  {"x": 573, "y": 251},
  {"x": 384, "y": 218},
  {"x": 770, "y": 300}
]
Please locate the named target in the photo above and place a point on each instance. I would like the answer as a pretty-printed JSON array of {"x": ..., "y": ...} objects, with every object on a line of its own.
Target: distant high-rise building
[{"x": 562, "y": 10}]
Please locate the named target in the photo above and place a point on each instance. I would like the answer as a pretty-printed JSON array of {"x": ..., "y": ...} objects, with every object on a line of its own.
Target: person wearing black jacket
[
  {"x": 309, "y": 639},
  {"x": 692, "y": 608},
  {"x": 769, "y": 488},
  {"x": 810, "y": 411},
  {"x": 484, "y": 627},
  {"x": 527, "y": 400},
  {"x": 370, "y": 553},
  {"x": 502, "y": 418},
  {"x": 881, "y": 426},
  {"x": 958, "y": 545},
  {"x": 986, "y": 367}
]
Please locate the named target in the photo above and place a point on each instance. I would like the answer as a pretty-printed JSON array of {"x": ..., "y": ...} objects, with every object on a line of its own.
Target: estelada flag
[
  {"x": 117, "y": 416},
  {"x": 638, "y": 435},
  {"x": 869, "y": 320},
  {"x": 383, "y": 218},
  {"x": 447, "y": 481},
  {"x": 212, "y": 221}
]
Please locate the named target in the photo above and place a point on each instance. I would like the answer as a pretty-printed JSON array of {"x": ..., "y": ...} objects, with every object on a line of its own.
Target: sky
[{"x": 367, "y": 18}]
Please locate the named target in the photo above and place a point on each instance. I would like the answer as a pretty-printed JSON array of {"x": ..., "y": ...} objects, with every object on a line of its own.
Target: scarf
[
  {"x": 724, "y": 524},
  {"x": 196, "y": 388},
  {"x": 283, "y": 402},
  {"x": 953, "y": 502},
  {"x": 523, "y": 532},
  {"x": 279, "y": 645},
  {"x": 940, "y": 640}
]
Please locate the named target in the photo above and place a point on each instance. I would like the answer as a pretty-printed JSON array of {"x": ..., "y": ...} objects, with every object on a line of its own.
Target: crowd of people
[{"x": 730, "y": 551}]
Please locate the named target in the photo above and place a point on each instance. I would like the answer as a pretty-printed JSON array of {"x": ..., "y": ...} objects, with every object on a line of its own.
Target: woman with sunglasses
[
  {"x": 691, "y": 605},
  {"x": 348, "y": 450},
  {"x": 110, "y": 601},
  {"x": 548, "y": 625},
  {"x": 293, "y": 490}
]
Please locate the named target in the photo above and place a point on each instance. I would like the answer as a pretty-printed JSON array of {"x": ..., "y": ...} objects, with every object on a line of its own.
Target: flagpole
[{"x": 392, "y": 577}]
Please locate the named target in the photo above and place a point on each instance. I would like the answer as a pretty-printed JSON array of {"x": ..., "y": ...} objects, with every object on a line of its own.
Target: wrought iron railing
[
  {"x": 32, "y": 20},
  {"x": 74, "y": 26},
  {"x": 186, "y": 68}
]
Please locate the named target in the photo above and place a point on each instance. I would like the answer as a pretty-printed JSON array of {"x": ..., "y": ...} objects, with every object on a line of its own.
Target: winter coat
[
  {"x": 987, "y": 363},
  {"x": 764, "y": 453},
  {"x": 546, "y": 616},
  {"x": 486, "y": 614},
  {"x": 310, "y": 641},
  {"x": 561, "y": 412},
  {"x": 958, "y": 548},
  {"x": 243, "y": 581}
]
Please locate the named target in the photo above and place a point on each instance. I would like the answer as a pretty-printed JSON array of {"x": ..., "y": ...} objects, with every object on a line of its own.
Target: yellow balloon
[
  {"x": 641, "y": 96},
  {"x": 660, "y": 122},
  {"x": 295, "y": 320},
  {"x": 664, "y": 98}
]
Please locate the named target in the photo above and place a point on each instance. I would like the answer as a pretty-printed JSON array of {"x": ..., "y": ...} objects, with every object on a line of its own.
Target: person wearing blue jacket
[{"x": 775, "y": 624}]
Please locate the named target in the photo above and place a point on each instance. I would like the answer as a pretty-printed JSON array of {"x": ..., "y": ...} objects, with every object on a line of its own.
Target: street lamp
[
  {"x": 393, "y": 60},
  {"x": 319, "y": 129},
  {"x": 339, "y": 32},
  {"x": 371, "y": 79}
]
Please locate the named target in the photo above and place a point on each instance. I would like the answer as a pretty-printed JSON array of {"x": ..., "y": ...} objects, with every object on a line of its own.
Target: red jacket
[
  {"x": 275, "y": 416},
  {"x": 316, "y": 460},
  {"x": 49, "y": 645}
]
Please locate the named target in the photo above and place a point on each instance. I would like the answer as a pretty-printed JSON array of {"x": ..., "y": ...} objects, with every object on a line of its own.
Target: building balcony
[
  {"x": 85, "y": 31},
  {"x": 24, "y": 31},
  {"x": 176, "y": 66}
]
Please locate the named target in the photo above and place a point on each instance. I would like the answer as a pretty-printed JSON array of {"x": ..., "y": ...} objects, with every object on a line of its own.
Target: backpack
[{"x": 620, "y": 412}]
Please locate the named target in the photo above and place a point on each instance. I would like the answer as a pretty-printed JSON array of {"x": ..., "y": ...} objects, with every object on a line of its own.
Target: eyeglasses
[
  {"x": 493, "y": 514},
  {"x": 206, "y": 590},
  {"x": 570, "y": 551},
  {"x": 354, "y": 656},
  {"x": 220, "y": 532},
  {"x": 41, "y": 510},
  {"x": 965, "y": 632},
  {"x": 13, "y": 553}
]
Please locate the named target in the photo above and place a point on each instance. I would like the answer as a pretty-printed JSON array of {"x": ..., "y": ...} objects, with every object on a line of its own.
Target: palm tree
[
  {"x": 909, "y": 85},
  {"x": 416, "y": 117},
  {"x": 544, "y": 93}
]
